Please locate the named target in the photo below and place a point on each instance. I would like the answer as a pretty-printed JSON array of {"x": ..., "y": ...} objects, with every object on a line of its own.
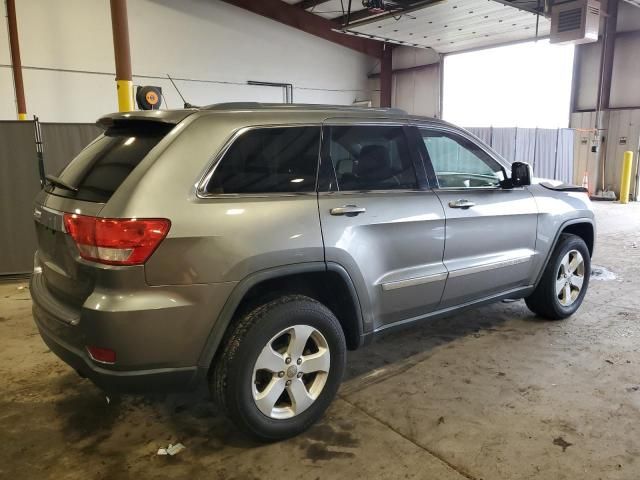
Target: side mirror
[{"x": 521, "y": 174}]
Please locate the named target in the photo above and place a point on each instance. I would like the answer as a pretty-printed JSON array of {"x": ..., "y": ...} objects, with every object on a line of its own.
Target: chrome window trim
[
  {"x": 209, "y": 170},
  {"x": 369, "y": 192},
  {"x": 349, "y": 122},
  {"x": 470, "y": 189}
]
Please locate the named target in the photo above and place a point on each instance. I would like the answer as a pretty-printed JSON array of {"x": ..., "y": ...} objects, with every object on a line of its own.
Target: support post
[
  {"x": 625, "y": 182},
  {"x": 604, "y": 87},
  {"x": 608, "y": 51},
  {"x": 16, "y": 64},
  {"x": 386, "y": 75},
  {"x": 122, "y": 54}
]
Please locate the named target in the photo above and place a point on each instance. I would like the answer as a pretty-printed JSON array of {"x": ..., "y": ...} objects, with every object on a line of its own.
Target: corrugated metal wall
[
  {"x": 623, "y": 134},
  {"x": 549, "y": 151},
  {"x": 20, "y": 182},
  {"x": 584, "y": 159},
  {"x": 63, "y": 141}
]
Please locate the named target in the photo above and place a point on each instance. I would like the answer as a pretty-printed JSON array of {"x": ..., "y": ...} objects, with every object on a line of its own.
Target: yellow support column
[
  {"x": 125, "y": 95},
  {"x": 625, "y": 183},
  {"x": 122, "y": 54}
]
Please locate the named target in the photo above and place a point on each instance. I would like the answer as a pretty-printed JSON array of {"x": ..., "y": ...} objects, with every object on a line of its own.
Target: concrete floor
[{"x": 494, "y": 393}]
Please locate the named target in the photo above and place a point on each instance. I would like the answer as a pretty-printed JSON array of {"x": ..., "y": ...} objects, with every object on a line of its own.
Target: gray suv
[{"x": 250, "y": 245}]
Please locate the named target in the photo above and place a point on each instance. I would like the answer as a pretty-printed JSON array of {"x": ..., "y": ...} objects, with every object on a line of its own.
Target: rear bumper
[
  {"x": 156, "y": 348},
  {"x": 135, "y": 381}
]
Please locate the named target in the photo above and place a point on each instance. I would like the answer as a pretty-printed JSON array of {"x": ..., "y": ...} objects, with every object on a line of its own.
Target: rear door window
[
  {"x": 370, "y": 157},
  {"x": 269, "y": 160},
  {"x": 103, "y": 165}
]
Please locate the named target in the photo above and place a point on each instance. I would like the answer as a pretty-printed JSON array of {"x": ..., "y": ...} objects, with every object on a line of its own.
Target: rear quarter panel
[{"x": 220, "y": 239}]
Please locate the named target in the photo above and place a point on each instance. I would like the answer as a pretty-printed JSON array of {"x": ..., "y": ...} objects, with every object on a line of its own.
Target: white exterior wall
[{"x": 211, "y": 46}]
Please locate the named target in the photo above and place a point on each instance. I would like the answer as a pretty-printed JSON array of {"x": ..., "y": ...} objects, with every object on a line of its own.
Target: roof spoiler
[{"x": 171, "y": 117}]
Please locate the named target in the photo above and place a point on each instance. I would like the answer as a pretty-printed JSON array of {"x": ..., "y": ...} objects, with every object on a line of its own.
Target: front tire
[
  {"x": 564, "y": 281},
  {"x": 280, "y": 367}
]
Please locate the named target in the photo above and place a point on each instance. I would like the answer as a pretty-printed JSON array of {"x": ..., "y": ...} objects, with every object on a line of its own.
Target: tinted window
[
  {"x": 269, "y": 160},
  {"x": 103, "y": 165},
  {"x": 460, "y": 163},
  {"x": 370, "y": 158}
]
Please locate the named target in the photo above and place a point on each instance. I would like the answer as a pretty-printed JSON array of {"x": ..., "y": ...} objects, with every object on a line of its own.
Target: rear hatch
[{"x": 83, "y": 188}]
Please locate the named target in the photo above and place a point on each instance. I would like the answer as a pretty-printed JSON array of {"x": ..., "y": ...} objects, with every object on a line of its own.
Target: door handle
[
  {"x": 461, "y": 204},
  {"x": 348, "y": 210}
]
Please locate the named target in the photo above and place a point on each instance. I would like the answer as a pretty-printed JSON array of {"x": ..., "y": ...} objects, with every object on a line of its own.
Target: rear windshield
[{"x": 103, "y": 165}]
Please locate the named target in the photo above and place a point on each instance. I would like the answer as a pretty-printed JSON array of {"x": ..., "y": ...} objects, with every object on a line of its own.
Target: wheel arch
[
  {"x": 582, "y": 227},
  {"x": 583, "y": 230},
  {"x": 329, "y": 284}
]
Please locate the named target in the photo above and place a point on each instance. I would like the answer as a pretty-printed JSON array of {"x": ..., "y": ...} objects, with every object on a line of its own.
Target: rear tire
[
  {"x": 565, "y": 280},
  {"x": 263, "y": 377}
]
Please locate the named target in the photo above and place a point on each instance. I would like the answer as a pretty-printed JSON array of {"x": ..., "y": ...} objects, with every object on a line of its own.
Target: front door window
[{"x": 459, "y": 163}]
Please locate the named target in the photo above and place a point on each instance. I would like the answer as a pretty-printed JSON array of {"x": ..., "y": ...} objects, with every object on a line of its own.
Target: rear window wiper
[{"x": 57, "y": 182}]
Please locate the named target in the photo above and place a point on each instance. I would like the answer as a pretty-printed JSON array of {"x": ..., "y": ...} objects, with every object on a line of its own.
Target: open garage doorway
[{"x": 527, "y": 85}]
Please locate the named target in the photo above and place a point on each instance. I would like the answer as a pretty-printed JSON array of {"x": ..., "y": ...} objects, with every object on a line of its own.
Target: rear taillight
[{"x": 116, "y": 241}]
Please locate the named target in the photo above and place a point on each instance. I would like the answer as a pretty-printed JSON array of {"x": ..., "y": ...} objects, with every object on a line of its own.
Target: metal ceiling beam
[
  {"x": 305, "y": 4},
  {"x": 530, "y": 7},
  {"x": 355, "y": 16},
  {"x": 365, "y": 16},
  {"x": 296, "y": 17}
]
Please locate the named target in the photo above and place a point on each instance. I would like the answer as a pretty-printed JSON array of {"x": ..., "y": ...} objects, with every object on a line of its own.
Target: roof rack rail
[
  {"x": 233, "y": 106},
  {"x": 307, "y": 106}
]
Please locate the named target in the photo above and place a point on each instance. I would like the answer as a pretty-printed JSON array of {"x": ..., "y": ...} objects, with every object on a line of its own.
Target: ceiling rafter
[{"x": 296, "y": 17}]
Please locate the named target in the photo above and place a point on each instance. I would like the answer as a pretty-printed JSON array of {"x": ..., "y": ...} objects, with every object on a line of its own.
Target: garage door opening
[{"x": 524, "y": 85}]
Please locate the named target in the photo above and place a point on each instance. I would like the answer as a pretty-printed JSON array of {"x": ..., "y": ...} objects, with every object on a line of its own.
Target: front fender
[{"x": 557, "y": 211}]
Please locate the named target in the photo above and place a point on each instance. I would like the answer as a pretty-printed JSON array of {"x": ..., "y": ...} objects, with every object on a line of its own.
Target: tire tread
[{"x": 232, "y": 342}]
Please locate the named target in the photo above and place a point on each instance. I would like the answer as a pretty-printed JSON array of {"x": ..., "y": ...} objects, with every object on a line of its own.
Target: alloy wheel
[
  {"x": 570, "y": 278},
  {"x": 291, "y": 372}
]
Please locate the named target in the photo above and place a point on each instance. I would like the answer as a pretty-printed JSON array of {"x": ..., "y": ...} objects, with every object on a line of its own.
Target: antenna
[{"x": 186, "y": 104}]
